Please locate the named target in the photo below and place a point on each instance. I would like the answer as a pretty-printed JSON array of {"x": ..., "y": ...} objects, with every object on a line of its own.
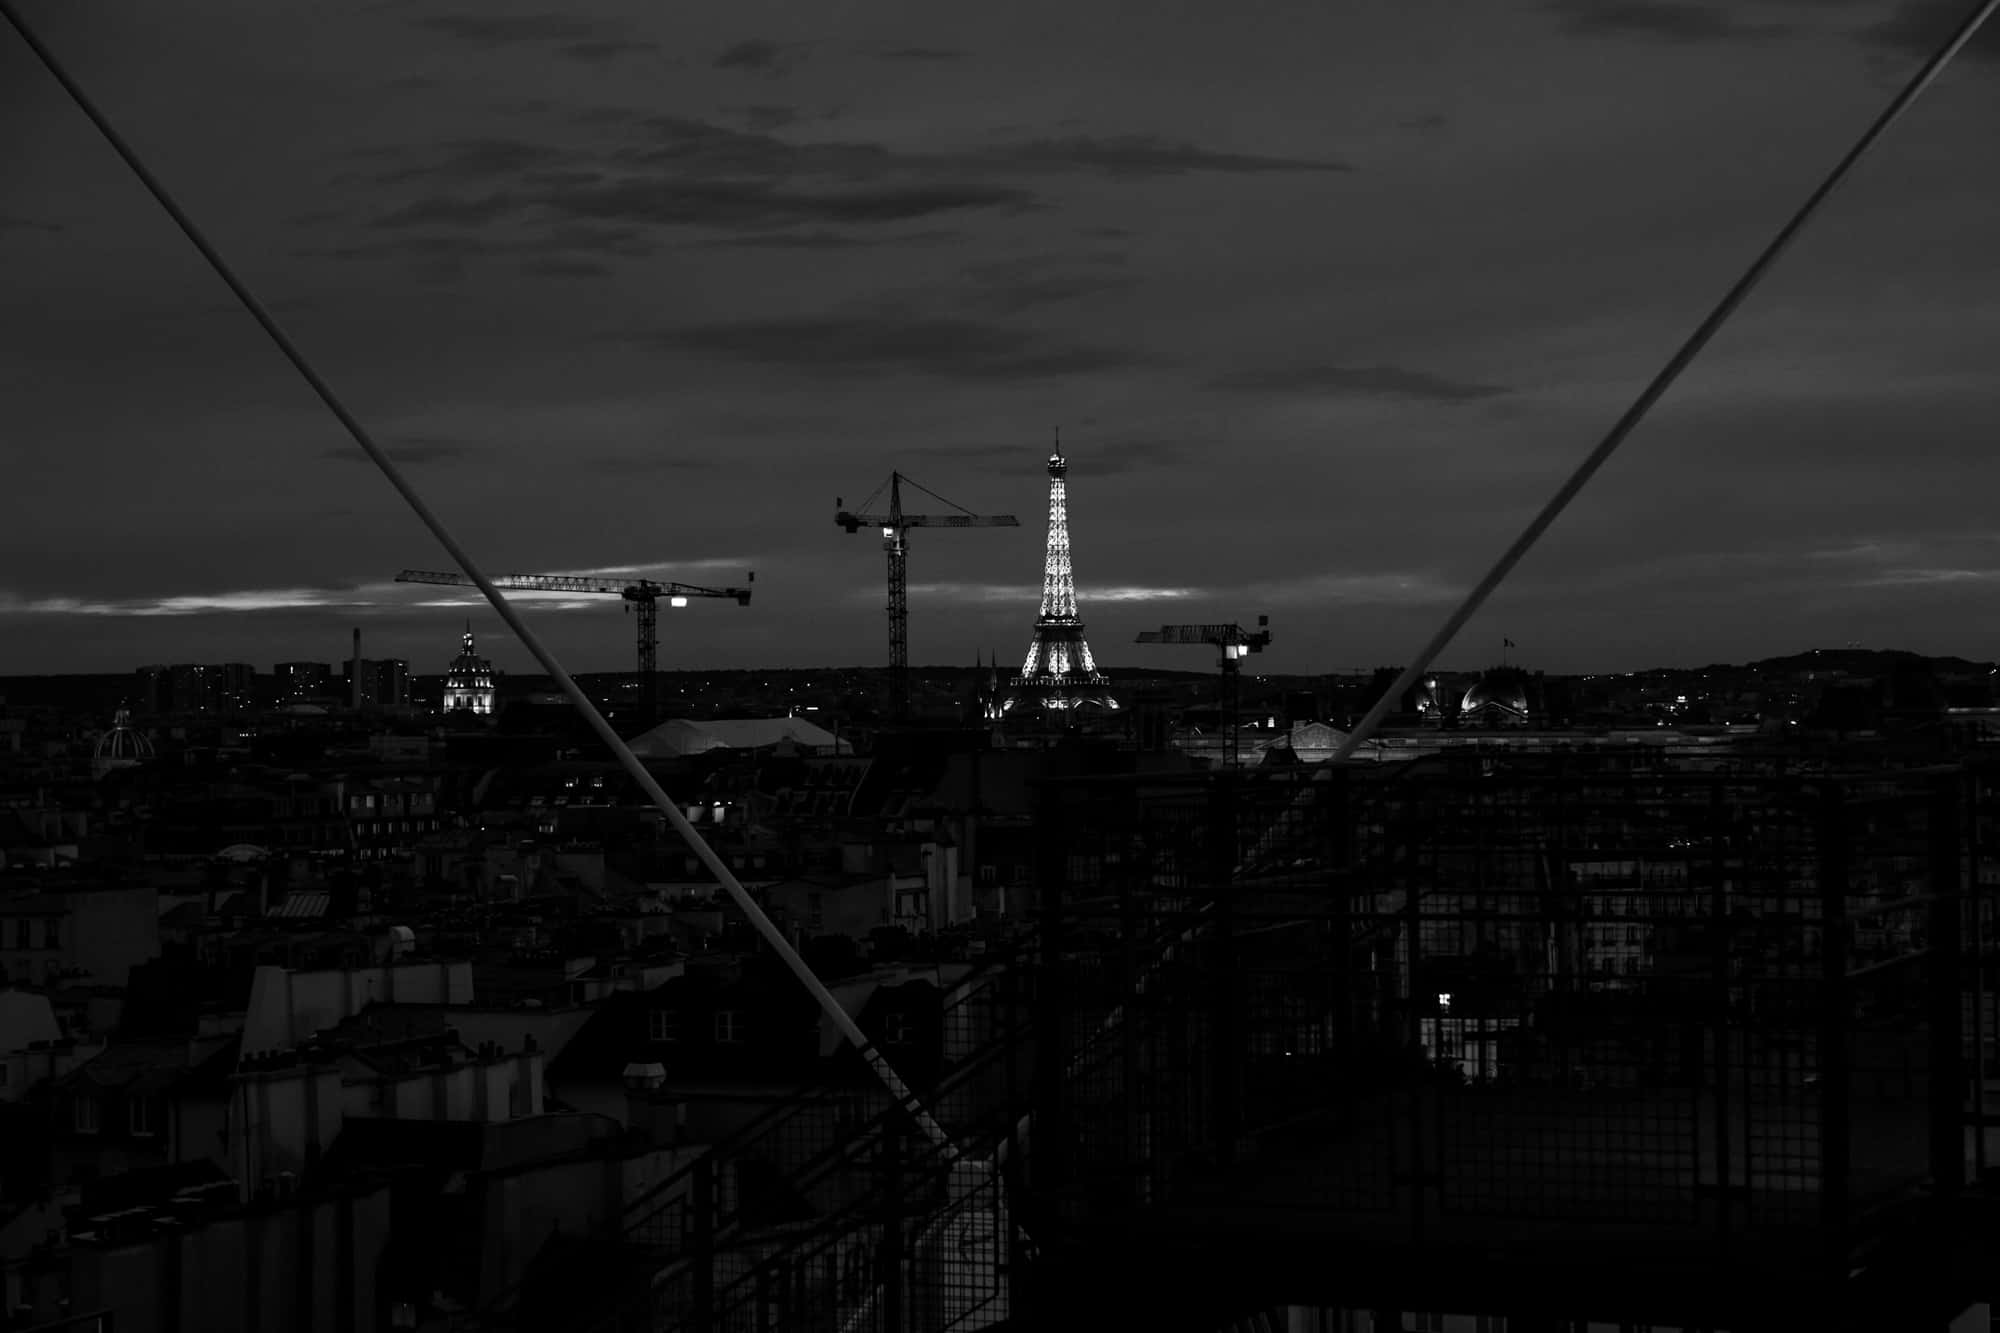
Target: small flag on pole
[{"x": 1506, "y": 643}]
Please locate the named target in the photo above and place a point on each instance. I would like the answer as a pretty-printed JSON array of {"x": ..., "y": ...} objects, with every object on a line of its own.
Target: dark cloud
[
  {"x": 1921, "y": 27},
  {"x": 1116, "y": 457},
  {"x": 652, "y": 463},
  {"x": 759, "y": 56},
  {"x": 1665, "y": 20},
  {"x": 604, "y": 50},
  {"x": 15, "y": 222},
  {"x": 754, "y": 204},
  {"x": 921, "y": 54},
  {"x": 885, "y": 343},
  {"x": 418, "y": 450},
  {"x": 766, "y": 117},
  {"x": 468, "y": 160},
  {"x": 1357, "y": 382},
  {"x": 444, "y": 210},
  {"x": 567, "y": 243},
  {"x": 1011, "y": 286},
  {"x": 514, "y": 29},
  {"x": 1139, "y": 155},
  {"x": 827, "y": 240},
  {"x": 689, "y": 172},
  {"x": 600, "y": 116},
  {"x": 565, "y": 268}
]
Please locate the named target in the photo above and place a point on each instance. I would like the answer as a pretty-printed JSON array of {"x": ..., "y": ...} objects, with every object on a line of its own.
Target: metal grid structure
[
  {"x": 1708, "y": 1017},
  {"x": 834, "y": 1211},
  {"x": 1716, "y": 1012}
]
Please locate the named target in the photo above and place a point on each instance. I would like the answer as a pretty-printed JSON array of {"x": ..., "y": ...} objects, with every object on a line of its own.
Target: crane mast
[
  {"x": 895, "y": 525},
  {"x": 897, "y": 546}
]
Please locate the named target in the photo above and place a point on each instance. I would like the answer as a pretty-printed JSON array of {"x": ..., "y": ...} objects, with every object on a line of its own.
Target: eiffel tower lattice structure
[{"x": 1059, "y": 673}]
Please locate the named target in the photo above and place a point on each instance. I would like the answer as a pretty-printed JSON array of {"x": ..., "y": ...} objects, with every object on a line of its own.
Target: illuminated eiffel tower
[{"x": 1059, "y": 673}]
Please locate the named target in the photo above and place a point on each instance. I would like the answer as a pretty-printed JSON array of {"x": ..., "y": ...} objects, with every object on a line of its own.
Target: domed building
[
  {"x": 1500, "y": 698},
  {"x": 468, "y": 681},
  {"x": 120, "y": 747}
]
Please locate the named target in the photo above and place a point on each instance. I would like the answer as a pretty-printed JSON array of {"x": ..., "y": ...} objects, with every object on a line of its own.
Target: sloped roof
[
  {"x": 134, "y": 1066},
  {"x": 682, "y": 736},
  {"x": 184, "y": 915}
]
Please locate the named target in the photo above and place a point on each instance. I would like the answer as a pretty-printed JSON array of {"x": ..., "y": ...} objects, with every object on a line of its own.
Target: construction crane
[
  {"x": 644, "y": 596},
  {"x": 894, "y": 523},
  {"x": 1234, "y": 643}
]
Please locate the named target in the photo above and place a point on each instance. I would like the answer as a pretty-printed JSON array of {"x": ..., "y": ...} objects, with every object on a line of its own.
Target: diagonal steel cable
[
  {"x": 1654, "y": 391},
  {"x": 763, "y": 924}
]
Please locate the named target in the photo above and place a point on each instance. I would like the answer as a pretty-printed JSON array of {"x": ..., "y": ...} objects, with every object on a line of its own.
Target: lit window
[
  {"x": 728, "y": 1027},
  {"x": 84, "y": 1114}
]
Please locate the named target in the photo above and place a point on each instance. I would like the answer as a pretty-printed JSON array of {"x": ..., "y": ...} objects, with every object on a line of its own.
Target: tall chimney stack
[{"x": 354, "y": 673}]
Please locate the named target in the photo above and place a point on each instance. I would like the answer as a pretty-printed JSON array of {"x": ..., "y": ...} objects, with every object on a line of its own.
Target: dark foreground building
[{"x": 1528, "y": 1043}]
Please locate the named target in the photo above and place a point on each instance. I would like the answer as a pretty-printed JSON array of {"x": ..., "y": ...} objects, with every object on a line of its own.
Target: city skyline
[{"x": 1323, "y": 307}]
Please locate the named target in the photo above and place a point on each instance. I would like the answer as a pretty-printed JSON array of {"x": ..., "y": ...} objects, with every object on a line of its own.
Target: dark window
[
  {"x": 145, "y": 1116},
  {"x": 728, "y": 1027},
  {"x": 84, "y": 1114},
  {"x": 663, "y": 1025}
]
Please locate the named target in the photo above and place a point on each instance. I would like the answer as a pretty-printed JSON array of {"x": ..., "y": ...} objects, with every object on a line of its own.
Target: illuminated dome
[
  {"x": 468, "y": 681},
  {"x": 120, "y": 747},
  {"x": 1499, "y": 698}
]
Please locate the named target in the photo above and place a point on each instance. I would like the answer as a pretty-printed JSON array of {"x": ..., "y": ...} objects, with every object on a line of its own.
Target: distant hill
[{"x": 1861, "y": 661}]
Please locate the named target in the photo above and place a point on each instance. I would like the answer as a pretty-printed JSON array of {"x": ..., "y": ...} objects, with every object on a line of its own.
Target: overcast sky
[{"x": 1325, "y": 298}]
